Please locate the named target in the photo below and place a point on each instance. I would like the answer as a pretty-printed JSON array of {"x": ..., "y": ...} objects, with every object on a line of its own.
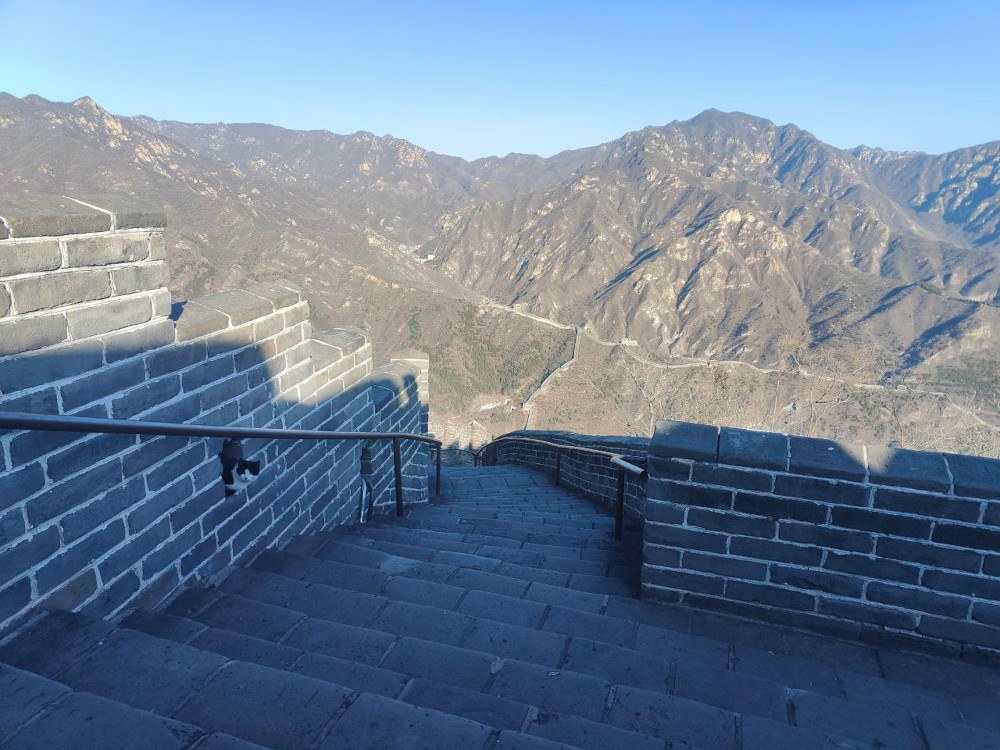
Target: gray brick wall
[
  {"x": 105, "y": 522},
  {"x": 592, "y": 475},
  {"x": 863, "y": 541}
]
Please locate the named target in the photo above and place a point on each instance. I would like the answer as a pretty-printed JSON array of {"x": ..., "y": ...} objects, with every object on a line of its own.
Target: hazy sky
[{"x": 480, "y": 78}]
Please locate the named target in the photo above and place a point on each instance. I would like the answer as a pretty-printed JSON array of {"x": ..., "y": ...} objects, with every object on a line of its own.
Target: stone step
[
  {"x": 442, "y": 695},
  {"x": 512, "y": 580},
  {"x": 573, "y": 701},
  {"x": 600, "y": 646},
  {"x": 259, "y": 704},
  {"x": 533, "y": 518},
  {"x": 531, "y": 555},
  {"x": 471, "y": 571},
  {"x": 40, "y": 713},
  {"x": 544, "y": 533},
  {"x": 601, "y": 549}
]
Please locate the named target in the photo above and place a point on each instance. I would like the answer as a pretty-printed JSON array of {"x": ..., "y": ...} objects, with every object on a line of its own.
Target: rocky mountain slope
[{"x": 722, "y": 237}]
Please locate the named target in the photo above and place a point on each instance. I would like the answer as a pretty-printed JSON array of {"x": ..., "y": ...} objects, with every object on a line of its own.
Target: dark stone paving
[{"x": 502, "y": 617}]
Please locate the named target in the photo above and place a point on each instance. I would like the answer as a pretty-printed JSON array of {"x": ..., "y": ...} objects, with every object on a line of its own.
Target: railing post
[
  {"x": 620, "y": 504},
  {"x": 437, "y": 477},
  {"x": 397, "y": 467},
  {"x": 558, "y": 464}
]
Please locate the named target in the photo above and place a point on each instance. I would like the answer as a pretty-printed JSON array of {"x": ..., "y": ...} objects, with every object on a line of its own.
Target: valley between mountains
[{"x": 721, "y": 269}]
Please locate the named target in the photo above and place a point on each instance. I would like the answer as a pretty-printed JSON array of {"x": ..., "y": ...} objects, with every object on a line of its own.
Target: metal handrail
[
  {"x": 52, "y": 423},
  {"x": 618, "y": 460}
]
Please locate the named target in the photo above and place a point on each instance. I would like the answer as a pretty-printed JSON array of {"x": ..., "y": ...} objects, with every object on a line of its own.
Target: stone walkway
[{"x": 501, "y": 617}]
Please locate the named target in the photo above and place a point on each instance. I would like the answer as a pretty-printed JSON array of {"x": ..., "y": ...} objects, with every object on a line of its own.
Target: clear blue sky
[{"x": 480, "y": 77}]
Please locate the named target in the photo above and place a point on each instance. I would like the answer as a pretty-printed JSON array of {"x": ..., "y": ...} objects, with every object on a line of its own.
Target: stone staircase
[{"x": 501, "y": 617}]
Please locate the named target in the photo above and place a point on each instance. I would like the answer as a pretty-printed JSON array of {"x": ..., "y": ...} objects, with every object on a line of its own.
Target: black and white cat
[{"x": 236, "y": 471}]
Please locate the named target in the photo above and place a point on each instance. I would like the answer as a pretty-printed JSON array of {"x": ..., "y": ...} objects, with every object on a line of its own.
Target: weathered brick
[
  {"x": 136, "y": 548},
  {"x": 919, "y": 599},
  {"x": 867, "y": 566},
  {"x": 241, "y": 306},
  {"x": 90, "y": 516},
  {"x": 27, "y": 553},
  {"x": 662, "y": 512},
  {"x": 732, "y": 523},
  {"x": 883, "y": 523},
  {"x": 113, "y": 595},
  {"x": 177, "y": 357},
  {"x": 725, "y": 476},
  {"x": 207, "y": 372},
  {"x": 125, "y": 344},
  {"x": 197, "y": 320},
  {"x": 956, "y": 583},
  {"x": 57, "y": 289},
  {"x": 280, "y": 293},
  {"x": 683, "y": 580},
  {"x": 197, "y": 506},
  {"x": 780, "y": 507},
  {"x": 35, "y": 402},
  {"x": 175, "y": 466},
  {"x": 967, "y": 536},
  {"x": 925, "y": 504},
  {"x": 93, "y": 320},
  {"x": 20, "y": 483},
  {"x": 99, "y": 385},
  {"x": 65, "y": 496},
  {"x": 14, "y": 598},
  {"x": 986, "y": 613},
  {"x": 146, "y": 396},
  {"x": 773, "y": 596},
  {"x": 817, "y": 580},
  {"x": 725, "y": 565},
  {"x": 230, "y": 340},
  {"x": 666, "y": 557},
  {"x": 179, "y": 410},
  {"x": 963, "y": 632},
  {"x": 11, "y": 526},
  {"x": 72, "y": 594},
  {"x": 685, "y": 440},
  {"x": 823, "y": 490},
  {"x": 4, "y": 300},
  {"x": 222, "y": 391},
  {"x": 686, "y": 494},
  {"x": 929, "y": 554},
  {"x": 975, "y": 476},
  {"x": 868, "y": 612},
  {"x": 826, "y": 458},
  {"x": 764, "y": 450},
  {"x": 170, "y": 552},
  {"x": 762, "y": 549},
  {"x": 685, "y": 538},
  {"x": 198, "y": 554},
  {"x": 29, "y": 257},
  {"x": 30, "y": 333},
  {"x": 86, "y": 453},
  {"x": 141, "y": 277},
  {"x": 906, "y": 468},
  {"x": 75, "y": 558},
  {"x": 160, "y": 504},
  {"x": 105, "y": 249},
  {"x": 33, "y": 369},
  {"x": 824, "y": 536}
]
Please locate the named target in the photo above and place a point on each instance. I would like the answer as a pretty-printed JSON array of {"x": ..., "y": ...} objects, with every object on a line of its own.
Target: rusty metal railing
[
  {"x": 52, "y": 423},
  {"x": 617, "y": 460}
]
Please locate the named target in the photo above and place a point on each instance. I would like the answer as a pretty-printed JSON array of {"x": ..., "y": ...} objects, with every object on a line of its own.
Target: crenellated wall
[{"x": 103, "y": 522}]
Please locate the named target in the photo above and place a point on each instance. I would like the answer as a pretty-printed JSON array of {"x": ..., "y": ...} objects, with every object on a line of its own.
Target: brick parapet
[
  {"x": 864, "y": 541},
  {"x": 592, "y": 475},
  {"x": 105, "y": 522}
]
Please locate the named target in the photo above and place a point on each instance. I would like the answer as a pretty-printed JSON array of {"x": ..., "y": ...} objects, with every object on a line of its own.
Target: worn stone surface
[
  {"x": 104, "y": 250},
  {"x": 50, "y": 216},
  {"x": 685, "y": 440},
  {"x": 29, "y": 257},
  {"x": 110, "y": 316},
  {"x": 30, "y": 333},
  {"x": 58, "y": 289}
]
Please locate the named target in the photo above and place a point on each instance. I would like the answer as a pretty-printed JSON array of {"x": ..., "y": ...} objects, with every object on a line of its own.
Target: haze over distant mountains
[{"x": 724, "y": 236}]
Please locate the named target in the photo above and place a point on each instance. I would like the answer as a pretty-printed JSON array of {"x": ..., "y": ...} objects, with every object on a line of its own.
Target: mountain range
[{"x": 725, "y": 237}]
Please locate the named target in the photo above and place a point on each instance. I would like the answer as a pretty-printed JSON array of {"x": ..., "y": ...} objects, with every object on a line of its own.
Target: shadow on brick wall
[{"x": 101, "y": 522}]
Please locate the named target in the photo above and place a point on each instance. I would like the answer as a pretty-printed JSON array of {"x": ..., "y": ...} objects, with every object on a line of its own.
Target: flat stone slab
[
  {"x": 49, "y": 216},
  {"x": 446, "y": 664},
  {"x": 490, "y": 710},
  {"x": 373, "y": 721},
  {"x": 25, "y": 695},
  {"x": 273, "y": 708},
  {"x": 553, "y": 690},
  {"x": 89, "y": 721}
]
